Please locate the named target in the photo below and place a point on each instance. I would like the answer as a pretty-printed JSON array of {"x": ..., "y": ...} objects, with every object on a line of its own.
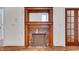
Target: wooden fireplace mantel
[{"x": 49, "y": 10}]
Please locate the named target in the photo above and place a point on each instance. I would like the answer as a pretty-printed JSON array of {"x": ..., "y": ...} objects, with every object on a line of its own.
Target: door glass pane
[
  {"x": 68, "y": 19},
  {"x": 68, "y": 12},
  {"x": 38, "y": 17},
  {"x": 68, "y": 38},
  {"x": 72, "y": 19},
  {"x": 68, "y": 25},
  {"x": 72, "y": 32},
  {"x": 72, "y": 25},
  {"x": 68, "y": 32},
  {"x": 72, "y": 38},
  {"x": 72, "y": 12}
]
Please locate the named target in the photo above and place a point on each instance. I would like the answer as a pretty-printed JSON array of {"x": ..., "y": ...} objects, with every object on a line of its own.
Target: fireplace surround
[{"x": 39, "y": 27}]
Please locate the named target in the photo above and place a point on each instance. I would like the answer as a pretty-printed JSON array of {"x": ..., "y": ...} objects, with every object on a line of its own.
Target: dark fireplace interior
[{"x": 38, "y": 36}]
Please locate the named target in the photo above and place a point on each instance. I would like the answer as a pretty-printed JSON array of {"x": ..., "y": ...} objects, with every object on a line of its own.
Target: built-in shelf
[{"x": 39, "y": 23}]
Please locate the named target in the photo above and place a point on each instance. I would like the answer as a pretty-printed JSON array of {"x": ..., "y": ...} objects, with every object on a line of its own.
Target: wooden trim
[
  {"x": 66, "y": 27},
  {"x": 75, "y": 28},
  {"x": 38, "y": 8},
  {"x": 71, "y": 8},
  {"x": 49, "y": 10}
]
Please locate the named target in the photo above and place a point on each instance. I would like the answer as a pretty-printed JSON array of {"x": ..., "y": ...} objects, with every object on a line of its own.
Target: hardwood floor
[{"x": 15, "y": 48}]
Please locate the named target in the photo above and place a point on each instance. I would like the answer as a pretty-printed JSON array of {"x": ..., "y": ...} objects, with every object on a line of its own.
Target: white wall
[
  {"x": 14, "y": 26},
  {"x": 59, "y": 26}
]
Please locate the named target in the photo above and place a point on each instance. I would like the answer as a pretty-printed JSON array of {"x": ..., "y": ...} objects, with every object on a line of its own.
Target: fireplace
[
  {"x": 38, "y": 27},
  {"x": 38, "y": 36}
]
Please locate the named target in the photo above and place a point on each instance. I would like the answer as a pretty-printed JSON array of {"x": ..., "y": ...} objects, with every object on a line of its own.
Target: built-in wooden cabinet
[{"x": 38, "y": 27}]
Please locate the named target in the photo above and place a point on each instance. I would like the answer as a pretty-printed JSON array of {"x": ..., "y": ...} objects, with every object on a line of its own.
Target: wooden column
[
  {"x": 51, "y": 28},
  {"x": 50, "y": 36},
  {"x": 26, "y": 28}
]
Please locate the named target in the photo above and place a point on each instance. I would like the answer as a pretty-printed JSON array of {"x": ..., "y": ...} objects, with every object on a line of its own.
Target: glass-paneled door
[{"x": 72, "y": 27}]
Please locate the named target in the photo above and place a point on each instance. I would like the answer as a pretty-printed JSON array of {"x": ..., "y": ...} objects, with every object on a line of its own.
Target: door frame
[{"x": 50, "y": 23}]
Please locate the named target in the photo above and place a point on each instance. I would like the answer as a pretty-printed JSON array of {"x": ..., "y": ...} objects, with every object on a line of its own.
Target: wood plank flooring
[{"x": 69, "y": 48}]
